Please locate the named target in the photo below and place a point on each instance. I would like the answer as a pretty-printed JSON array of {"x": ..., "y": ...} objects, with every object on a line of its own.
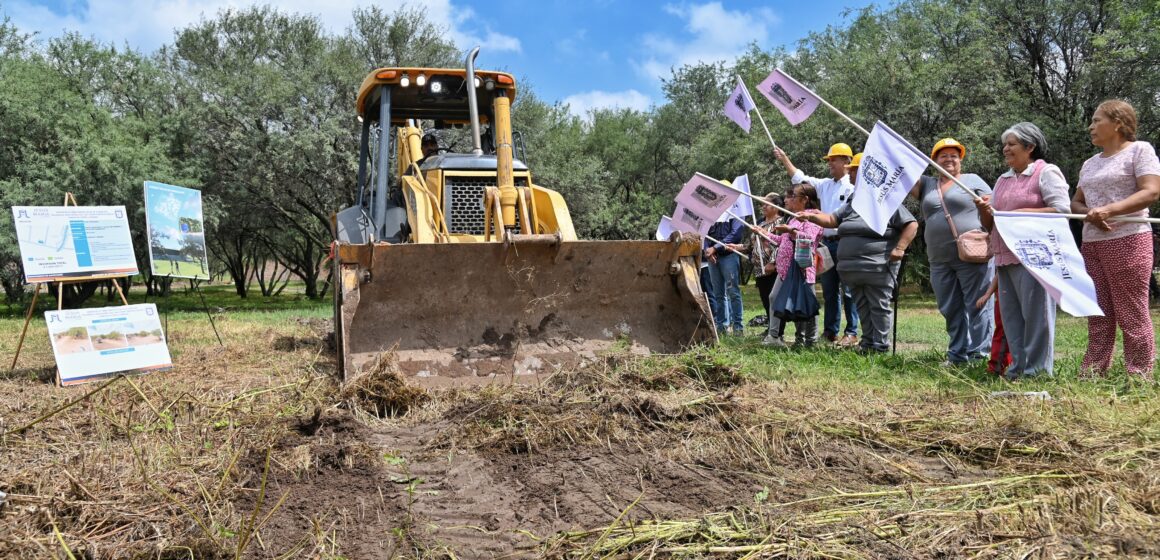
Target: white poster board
[
  {"x": 176, "y": 227},
  {"x": 92, "y": 343},
  {"x": 74, "y": 242}
]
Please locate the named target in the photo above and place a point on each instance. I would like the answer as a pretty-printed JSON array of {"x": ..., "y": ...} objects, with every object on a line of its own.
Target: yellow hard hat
[
  {"x": 856, "y": 161},
  {"x": 839, "y": 149},
  {"x": 948, "y": 143}
]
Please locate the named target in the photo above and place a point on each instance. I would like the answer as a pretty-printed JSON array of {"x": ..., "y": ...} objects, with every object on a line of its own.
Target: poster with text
[
  {"x": 74, "y": 242},
  {"x": 176, "y": 228},
  {"x": 93, "y": 343}
]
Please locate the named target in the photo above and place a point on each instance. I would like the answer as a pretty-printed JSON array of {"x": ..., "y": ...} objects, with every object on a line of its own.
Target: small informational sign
[
  {"x": 93, "y": 343},
  {"x": 74, "y": 242},
  {"x": 176, "y": 227}
]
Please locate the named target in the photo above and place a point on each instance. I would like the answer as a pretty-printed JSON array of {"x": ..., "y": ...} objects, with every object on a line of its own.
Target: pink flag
[
  {"x": 739, "y": 105},
  {"x": 791, "y": 98},
  {"x": 706, "y": 196},
  {"x": 689, "y": 221}
]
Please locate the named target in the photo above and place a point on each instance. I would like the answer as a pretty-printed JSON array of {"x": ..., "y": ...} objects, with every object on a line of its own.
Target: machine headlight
[
  {"x": 405, "y": 80},
  {"x": 436, "y": 87}
]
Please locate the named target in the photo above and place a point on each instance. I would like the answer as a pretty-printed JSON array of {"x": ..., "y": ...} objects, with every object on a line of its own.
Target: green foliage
[{"x": 254, "y": 107}]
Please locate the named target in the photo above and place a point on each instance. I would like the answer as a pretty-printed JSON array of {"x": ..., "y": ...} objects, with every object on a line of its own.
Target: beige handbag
[{"x": 975, "y": 245}]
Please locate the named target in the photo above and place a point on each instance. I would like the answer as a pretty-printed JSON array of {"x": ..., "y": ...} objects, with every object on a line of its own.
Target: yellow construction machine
[{"x": 469, "y": 271}]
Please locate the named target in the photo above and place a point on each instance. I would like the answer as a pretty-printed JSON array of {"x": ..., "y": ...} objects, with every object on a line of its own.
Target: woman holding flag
[
  {"x": 949, "y": 211},
  {"x": 869, "y": 263},
  {"x": 1123, "y": 180},
  {"x": 763, "y": 254},
  {"x": 1031, "y": 185},
  {"x": 803, "y": 201}
]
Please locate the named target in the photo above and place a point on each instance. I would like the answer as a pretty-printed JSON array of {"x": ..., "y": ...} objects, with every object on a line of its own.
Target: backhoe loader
[{"x": 469, "y": 271}]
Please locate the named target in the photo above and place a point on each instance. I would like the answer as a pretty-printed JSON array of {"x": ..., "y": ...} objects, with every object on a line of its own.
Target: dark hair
[
  {"x": 430, "y": 138},
  {"x": 774, "y": 198},
  {"x": 811, "y": 194}
]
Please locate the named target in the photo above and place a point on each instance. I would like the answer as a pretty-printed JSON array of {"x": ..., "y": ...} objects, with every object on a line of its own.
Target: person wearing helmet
[
  {"x": 957, "y": 284},
  {"x": 833, "y": 193}
]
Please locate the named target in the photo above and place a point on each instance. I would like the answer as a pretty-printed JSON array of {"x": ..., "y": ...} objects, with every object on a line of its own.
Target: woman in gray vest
[{"x": 957, "y": 284}]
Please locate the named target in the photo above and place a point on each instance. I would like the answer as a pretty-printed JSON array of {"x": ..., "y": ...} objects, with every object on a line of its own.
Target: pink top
[
  {"x": 785, "y": 245},
  {"x": 1013, "y": 192},
  {"x": 1105, "y": 180}
]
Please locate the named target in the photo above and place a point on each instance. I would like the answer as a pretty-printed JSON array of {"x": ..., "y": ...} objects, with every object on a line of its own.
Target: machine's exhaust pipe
[{"x": 472, "y": 103}]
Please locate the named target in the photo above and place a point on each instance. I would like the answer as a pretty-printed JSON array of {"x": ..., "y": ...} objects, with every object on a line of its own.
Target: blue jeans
[
  {"x": 726, "y": 275},
  {"x": 831, "y": 284},
  {"x": 957, "y": 286}
]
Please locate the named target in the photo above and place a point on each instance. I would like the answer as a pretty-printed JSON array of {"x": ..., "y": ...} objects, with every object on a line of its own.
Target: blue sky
[{"x": 588, "y": 53}]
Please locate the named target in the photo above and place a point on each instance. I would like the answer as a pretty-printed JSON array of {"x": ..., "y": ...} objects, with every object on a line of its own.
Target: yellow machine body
[{"x": 484, "y": 279}]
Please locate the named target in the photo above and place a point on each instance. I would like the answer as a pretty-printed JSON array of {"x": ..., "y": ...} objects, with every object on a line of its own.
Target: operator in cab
[{"x": 430, "y": 147}]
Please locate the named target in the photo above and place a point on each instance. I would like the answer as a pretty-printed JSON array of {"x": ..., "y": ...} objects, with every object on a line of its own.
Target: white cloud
[
  {"x": 581, "y": 104},
  {"x": 148, "y": 24},
  {"x": 714, "y": 34}
]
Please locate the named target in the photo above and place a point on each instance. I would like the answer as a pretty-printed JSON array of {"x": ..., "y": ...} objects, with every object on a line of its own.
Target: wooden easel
[{"x": 68, "y": 197}]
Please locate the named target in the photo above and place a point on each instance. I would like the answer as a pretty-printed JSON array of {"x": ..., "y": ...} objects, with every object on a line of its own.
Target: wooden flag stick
[{"x": 758, "y": 199}]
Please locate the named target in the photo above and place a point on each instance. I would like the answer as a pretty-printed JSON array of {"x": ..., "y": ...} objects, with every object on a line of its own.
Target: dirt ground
[
  {"x": 68, "y": 345},
  {"x": 238, "y": 453}
]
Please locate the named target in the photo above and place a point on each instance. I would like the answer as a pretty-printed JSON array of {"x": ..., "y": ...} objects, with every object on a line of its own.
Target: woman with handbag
[
  {"x": 1122, "y": 181},
  {"x": 1031, "y": 185},
  {"x": 958, "y": 251},
  {"x": 797, "y": 243}
]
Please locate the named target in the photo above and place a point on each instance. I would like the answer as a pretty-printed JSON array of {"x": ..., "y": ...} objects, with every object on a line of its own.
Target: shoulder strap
[{"x": 951, "y": 221}]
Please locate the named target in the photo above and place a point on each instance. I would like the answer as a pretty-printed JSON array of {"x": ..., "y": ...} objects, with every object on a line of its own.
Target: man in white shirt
[{"x": 833, "y": 193}]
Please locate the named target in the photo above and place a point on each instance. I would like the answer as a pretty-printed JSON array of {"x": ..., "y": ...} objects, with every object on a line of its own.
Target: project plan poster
[
  {"x": 92, "y": 343},
  {"x": 176, "y": 228},
  {"x": 69, "y": 242}
]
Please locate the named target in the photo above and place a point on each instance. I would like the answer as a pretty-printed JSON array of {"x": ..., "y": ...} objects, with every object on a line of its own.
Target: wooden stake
[{"x": 27, "y": 319}]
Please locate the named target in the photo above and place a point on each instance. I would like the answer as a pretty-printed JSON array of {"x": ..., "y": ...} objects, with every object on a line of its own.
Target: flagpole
[
  {"x": 1081, "y": 217},
  {"x": 762, "y": 119},
  {"x": 752, "y": 228},
  {"x": 827, "y": 104},
  {"x": 757, "y": 198},
  {"x": 727, "y": 247}
]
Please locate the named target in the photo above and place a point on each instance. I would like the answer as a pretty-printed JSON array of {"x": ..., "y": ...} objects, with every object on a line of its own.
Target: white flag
[
  {"x": 739, "y": 104},
  {"x": 1043, "y": 243},
  {"x": 665, "y": 229},
  {"x": 706, "y": 196},
  {"x": 744, "y": 205},
  {"x": 890, "y": 168}
]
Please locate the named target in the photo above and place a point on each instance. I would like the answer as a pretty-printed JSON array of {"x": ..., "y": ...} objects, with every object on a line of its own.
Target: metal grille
[{"x": 463, "y": 202}]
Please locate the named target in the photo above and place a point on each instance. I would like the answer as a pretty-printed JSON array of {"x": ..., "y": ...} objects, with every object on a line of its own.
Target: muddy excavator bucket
[{"x": 470, "y": 313}]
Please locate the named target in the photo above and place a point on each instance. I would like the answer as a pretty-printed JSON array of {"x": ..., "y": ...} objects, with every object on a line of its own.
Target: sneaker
[{"x": 773, "y": 342}]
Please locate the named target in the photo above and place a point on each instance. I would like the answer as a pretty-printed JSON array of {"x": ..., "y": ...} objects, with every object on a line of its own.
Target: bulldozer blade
[{"x": 485, "y": 312}]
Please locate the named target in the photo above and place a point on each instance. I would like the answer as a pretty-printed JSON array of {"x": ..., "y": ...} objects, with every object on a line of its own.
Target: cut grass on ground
[{"x": 250, "y": 451}]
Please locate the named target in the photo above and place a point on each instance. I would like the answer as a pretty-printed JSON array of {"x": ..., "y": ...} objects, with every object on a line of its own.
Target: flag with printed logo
[
  {"x": 689, "y": 221},
  {"x": 890, "y": 168},
  {"x": 707, "y": 197},
  {"x": 739, "y": 104},
  {"x": 795, "y": 101},
  {"x": 665, "y": 229},
  {"x": 1043, "y": 243}
]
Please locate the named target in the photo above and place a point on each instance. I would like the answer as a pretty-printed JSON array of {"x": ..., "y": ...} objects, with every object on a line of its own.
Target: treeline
[{"x": 255, "y": 107}]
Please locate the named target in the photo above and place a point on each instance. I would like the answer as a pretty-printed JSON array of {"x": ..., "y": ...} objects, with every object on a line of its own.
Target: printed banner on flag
[
  {"x": 890, "y": 168},
  {"x": 1043, "y": 243},
  {"x": 689, "y": 221},
  {"x": 743, "y": 208},
  {"x": 665, "y": 229},
  {"x": 791, "y": 98},
  {"x": 739, "y": 105},
  {"x": 706, "y": 196}
]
